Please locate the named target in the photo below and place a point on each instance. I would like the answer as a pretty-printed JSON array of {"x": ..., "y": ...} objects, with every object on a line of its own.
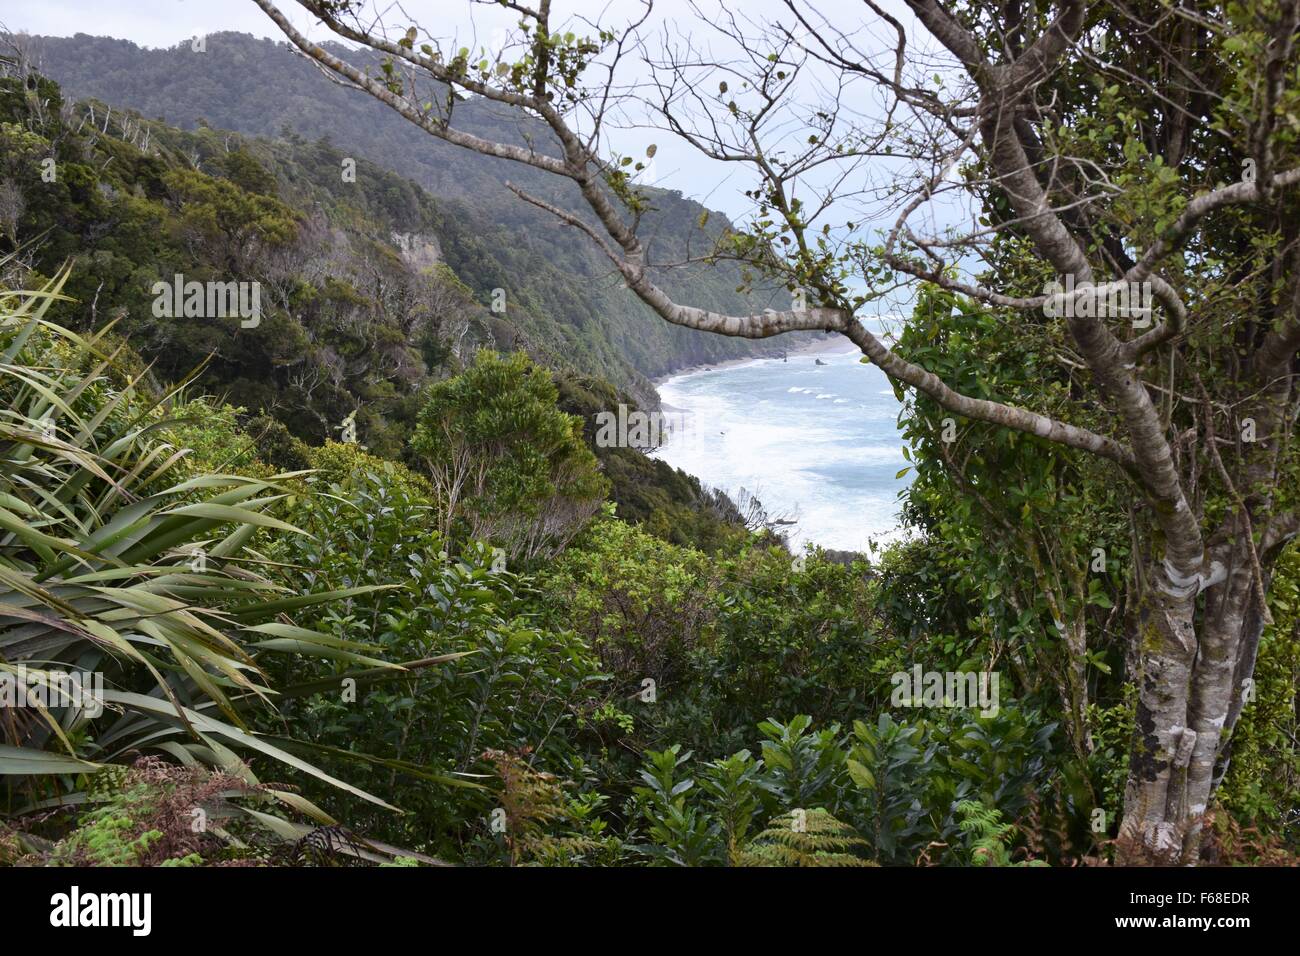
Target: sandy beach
[{"x": 829, "y": 345}]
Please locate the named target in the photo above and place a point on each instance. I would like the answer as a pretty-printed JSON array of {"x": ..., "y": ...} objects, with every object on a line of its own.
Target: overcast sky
[{"x": 153, "y": 23}]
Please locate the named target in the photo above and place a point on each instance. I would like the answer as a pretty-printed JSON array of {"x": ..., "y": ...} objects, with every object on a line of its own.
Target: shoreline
[
  {"x": 831, "y": 345},
  {"x": 770, "y": 454}
]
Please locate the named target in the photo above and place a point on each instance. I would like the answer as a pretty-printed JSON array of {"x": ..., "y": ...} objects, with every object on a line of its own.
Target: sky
[{"x": 152, "y": 23}]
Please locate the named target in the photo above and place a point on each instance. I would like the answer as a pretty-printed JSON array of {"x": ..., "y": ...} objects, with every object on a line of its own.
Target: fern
[
  {"x": 987, "y": 836},
  {"x": 806, "y": 838},
  {"x": 535, "y": 804}
]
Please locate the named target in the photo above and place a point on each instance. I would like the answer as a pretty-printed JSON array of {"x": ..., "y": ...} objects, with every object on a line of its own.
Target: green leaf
[{"x": 25, "y": 761}]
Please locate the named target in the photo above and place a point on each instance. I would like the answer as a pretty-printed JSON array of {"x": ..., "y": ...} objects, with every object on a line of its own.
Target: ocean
[{"x": 817, "y": 443}]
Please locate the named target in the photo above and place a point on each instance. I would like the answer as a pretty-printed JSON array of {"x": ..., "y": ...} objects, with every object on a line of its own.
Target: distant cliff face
[
  {"x": 419, "y": 251},
  {"x": 260, "y": 87}
]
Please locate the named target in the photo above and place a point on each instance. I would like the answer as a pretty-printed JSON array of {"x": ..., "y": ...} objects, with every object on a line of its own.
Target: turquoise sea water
[{"x": 818, "y": 443}]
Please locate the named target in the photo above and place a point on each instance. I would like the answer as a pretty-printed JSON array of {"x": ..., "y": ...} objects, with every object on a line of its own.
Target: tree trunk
[
  {"x": 1154, "y": 814},
  {"x": 1192, "y": 672}
]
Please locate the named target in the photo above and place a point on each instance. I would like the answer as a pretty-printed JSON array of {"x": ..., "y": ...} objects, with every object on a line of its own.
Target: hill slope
[
  {"x": 261, "y": 87},
  {"x": 361, "y": 302}
]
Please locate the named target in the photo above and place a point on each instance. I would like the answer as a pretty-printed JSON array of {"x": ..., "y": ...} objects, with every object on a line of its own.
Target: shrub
[{"x": 506, "y": 464}]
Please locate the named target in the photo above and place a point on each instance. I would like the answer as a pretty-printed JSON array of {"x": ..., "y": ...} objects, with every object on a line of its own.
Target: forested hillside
[
  {"x": 563, "y": 285},
  {"x": 369, "y": 290}
]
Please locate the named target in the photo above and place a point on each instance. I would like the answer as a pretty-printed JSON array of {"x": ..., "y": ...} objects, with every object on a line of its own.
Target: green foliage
[
  {"x": 1259, "y": 788},
  {"x": 229, "y": 223},
  {"x": 217, "y": 440},
  {"x": 895, "y": 787},
  {"x": 802, "y": 766},
  {"x": 886, "y": 763},
  {"x": 790, "y": 641},
  {"x": 728, "y": 640},
  {"x": 158, "y": 814},
  {"x": 680, "y": 833},
  {"x": 534, "y": 807},
  {"x": 732, "y": 786},
  {"x": 506, "y": 464},
  {"x": 455, "y": 687},
  {"x": 559, "y": 308},
  {"x": 99, "y": 576},
  {"x": 1054, "y": 586},
  {"x": 365, "y": 598},
  {"x": 988, "y": 839},
  {"x": 642, "y": 604},
  {"x": 806, "y": 838},
  {"x": 1112, "y": 736},
  {"x": 478, "y": 674},
  {"x": 153, "y": 201}
]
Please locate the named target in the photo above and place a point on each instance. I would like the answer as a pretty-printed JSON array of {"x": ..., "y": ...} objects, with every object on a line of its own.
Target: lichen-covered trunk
[
  {"x": 1154, "y": 814},
  {"x": 1193, "y": 665}
]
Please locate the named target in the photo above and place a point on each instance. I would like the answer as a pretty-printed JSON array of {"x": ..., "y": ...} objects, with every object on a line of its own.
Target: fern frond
[{"x": 806, "y": 838}]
